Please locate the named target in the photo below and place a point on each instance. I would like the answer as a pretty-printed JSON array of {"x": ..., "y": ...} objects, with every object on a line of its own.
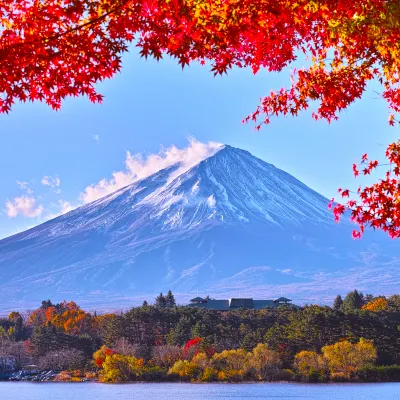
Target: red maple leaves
[
  {"x": 57, "y": 48},
  {"x": 195, "y": 346},
  {"x": 378, "y": 205},
  {"x": 54, "y": 49},
  {"x": 192, "y": 347}
]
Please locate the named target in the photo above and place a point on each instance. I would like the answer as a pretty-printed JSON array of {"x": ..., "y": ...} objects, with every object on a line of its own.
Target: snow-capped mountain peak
[
  {"x": 234, "y": 186},
  {"x": 183, "y": 229}
]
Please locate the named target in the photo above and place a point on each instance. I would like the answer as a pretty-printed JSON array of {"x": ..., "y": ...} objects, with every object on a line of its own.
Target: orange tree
[
  {"x": 57, "y": 48},
  {"x": 376, "y": 305}
]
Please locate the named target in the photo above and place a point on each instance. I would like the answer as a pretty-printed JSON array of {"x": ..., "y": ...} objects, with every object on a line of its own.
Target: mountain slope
[{"x": 230, "y": 221}]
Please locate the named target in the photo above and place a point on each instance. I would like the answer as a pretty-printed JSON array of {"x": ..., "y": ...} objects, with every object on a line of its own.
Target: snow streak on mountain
[{"x": 232, "y": 223}]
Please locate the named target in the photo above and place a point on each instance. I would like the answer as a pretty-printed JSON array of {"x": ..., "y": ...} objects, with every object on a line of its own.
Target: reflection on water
[{"x": 177, "y": 391}]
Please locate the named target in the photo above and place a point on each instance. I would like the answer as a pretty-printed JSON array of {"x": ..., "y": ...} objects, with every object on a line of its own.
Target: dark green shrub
[{"x": 382, "y": 373}]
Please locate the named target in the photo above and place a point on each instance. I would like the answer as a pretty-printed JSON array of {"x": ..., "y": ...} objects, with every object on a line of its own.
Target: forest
[{"x": 357, "y": 339}]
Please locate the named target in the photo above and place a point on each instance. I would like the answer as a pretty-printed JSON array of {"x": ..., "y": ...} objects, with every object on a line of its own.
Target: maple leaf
[
  {"x": 378, "y": 205},
  {"x": 345, "y": 193},
  {"x": 355, "y": 170}
]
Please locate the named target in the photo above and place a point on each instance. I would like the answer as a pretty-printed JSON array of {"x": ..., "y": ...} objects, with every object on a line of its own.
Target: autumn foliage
[
  {"x": 340, "y": 360},
  {"x": 58, "y": 48},
  {"x": 376, "y": 305},
  {"x": 153, "y": 343},
  {"x": 100, "y": 355},
  {"x": 192, "y": 347},
  {"x": 346, "y": 358},
  {"x": 61, "y": 48},
  {"x": 378, "y": 205},
  {"x": 66, "y": 316}
]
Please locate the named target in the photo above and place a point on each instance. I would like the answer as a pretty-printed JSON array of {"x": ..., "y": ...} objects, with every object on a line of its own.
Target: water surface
[{"x": 178, "y": 391}]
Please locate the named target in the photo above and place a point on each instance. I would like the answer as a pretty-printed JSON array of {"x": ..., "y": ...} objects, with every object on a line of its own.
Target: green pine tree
[
  {"x": 170, "y": 299},
  {"x": 353, "y": 301},
  {"x": 46, "y": 304},
  {"x": 161, "y": 301},
  {"x": 338, "y": 302}
]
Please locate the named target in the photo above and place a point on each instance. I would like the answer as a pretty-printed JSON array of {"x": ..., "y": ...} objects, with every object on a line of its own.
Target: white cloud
[
  {"x": 51, "y": 181},
  {"x": 24, "y": 186},
  {"x": 96, "y": 137},
  {"x": 65, "y": 207},
  {"x": 25, "y": 206},
  {"x": 138, "y": 167}
]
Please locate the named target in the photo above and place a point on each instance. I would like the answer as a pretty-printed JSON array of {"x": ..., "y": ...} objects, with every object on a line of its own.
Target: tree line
[{"x": 357, "y": 338}]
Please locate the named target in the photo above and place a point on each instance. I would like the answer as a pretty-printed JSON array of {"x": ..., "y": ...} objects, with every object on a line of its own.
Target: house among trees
[{"x": 235, "y": 303}]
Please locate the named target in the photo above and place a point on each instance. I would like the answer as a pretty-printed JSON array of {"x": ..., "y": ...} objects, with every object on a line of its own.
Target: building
[{"x": 236, "y": 303}]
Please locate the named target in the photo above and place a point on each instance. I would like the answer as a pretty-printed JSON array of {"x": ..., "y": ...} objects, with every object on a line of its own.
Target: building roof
[
  {"x": 259, "y": 304},
  {"x": 282, "y": 299},
  {"x": 236, "y": 303},
  {"x": 197, "y": 299},
  {"x": 241, "y": 303},
  {"x": 226, "y": 305},
  {"x": 220, "y": 305}
]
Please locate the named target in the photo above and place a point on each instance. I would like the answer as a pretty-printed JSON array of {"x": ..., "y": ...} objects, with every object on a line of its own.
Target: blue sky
[{"x": 48, "y": 158}]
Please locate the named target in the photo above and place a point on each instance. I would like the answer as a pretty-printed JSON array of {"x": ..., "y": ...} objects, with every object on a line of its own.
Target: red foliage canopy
[{"x": 57, "y": 48}]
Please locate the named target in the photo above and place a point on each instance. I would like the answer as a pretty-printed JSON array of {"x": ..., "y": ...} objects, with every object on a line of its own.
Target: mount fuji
[{"x": 231, "y": 225}]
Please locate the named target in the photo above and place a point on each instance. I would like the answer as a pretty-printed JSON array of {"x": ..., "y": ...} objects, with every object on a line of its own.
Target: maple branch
[{"x": 74, "y": 29}]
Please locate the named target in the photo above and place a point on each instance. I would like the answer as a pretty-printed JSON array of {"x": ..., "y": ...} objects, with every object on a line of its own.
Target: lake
[{"x": 180, "y": 391}]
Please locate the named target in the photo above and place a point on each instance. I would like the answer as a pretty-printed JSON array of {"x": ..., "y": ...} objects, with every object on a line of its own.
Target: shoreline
[
  {"x": 203, "y": 383},
  {"x": 194, "y": 382}
]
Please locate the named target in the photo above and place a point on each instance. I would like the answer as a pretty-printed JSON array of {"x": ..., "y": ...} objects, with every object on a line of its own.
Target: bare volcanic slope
[{"x": 232, "y": 222}]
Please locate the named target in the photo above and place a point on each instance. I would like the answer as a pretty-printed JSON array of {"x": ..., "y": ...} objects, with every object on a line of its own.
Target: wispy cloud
[
  {"x": 25, "y": 206},
  {"x": 65, "y": 207},
  {"x": 96, "y": 138},
  {"x": 24, "y": 186},
  {"x": 52, "y": 181},
  {"x": 139, "y": 166}
]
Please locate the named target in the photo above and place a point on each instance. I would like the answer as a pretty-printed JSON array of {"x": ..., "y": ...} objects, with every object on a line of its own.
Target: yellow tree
[
  {"x": 266, "y": 362},
  {"x": 119, "y": 368},
  {"x": 185, "y": 369},
  {"x": 344, "y": 358},
  {"x": 231, "y": 360},
  {"x": 101, "y": 354},
  {"x": 309, "y": 364}
]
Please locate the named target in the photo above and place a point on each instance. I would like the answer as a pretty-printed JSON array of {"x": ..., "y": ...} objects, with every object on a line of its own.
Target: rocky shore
[{"x": 39, "y": 376}]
